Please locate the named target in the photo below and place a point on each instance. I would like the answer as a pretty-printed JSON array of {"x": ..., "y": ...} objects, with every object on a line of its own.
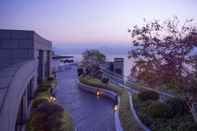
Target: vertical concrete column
[
  {"x": 23, "y": 113},
  {"x": 25, "y": 105},
  {"x": 49, "y": 63},
  {"x": 41, "y": 66},
  {"x": 44, "y": 65},
  {"x": 34, "y": 85}
]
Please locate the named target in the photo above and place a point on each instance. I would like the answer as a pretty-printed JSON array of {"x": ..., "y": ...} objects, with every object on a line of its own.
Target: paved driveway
[{"x": 88, "y": 112}]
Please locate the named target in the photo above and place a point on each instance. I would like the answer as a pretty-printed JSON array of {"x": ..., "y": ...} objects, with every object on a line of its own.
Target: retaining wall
[{"x": 110, "y": 94}]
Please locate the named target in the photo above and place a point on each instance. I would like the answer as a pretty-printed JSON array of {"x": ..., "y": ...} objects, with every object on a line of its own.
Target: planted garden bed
[
  {"x": 46, "y": 115},
  {"x": 169, "y": 115}
]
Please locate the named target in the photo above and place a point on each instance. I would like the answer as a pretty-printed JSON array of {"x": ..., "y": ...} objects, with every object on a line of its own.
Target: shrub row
[
  {"x": 43, "y": 94},
  {"x": 148, "y": 95},
  {"x": 48, "y": 116},
  {"x": 171, "y": 115}
]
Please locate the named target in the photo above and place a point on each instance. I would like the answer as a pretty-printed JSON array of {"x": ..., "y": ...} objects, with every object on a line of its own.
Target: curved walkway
[{"x": 88, "y": 112}]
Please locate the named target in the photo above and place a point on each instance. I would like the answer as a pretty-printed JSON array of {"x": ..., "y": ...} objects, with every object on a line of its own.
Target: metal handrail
[{"x": 121, "y": 77}]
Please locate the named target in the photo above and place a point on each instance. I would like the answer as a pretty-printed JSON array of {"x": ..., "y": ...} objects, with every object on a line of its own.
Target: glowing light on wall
[{"x": 116, "y": 108}]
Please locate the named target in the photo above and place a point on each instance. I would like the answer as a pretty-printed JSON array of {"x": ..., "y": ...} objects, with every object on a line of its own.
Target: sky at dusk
[{"x": 88, "y": 21}]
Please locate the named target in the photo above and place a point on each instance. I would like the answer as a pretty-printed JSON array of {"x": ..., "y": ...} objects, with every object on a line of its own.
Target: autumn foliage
[{"x": 164, "y": 53}]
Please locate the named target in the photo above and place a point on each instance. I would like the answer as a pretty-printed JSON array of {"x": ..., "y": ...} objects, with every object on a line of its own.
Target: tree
[
  {"x": 161, "y": 52},
  {"x": 91, "y": 61}
]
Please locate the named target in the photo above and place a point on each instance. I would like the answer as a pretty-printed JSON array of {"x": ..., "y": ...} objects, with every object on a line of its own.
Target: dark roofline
[
  {"x": 29, "y": 31},
  {"x": 17, "y": 30}
]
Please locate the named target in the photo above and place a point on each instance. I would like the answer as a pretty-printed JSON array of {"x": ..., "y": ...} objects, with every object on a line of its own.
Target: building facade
[
  {"x": 25, "y": 62},
  {"x": 116, "y": 66},
  {"x": 114, "y": 70}
]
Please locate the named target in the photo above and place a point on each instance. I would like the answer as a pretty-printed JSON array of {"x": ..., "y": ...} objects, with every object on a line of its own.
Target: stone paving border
[
  {"x": 110, "y": 94},
  {"x": 137, "y": 119}
]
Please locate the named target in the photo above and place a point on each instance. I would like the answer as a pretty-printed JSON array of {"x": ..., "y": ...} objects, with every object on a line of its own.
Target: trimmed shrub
[
  {"x": 46, "y": 85},
  {"x": 105, "y": 80},
  {"x": 178, "y": 106},
  {"x": 34, "y": 122},
  {"x": 51, "y": 78},
  {"x": 50, "y": 117},
  {"x": 159, "y": 110},
  {"x": 148, "y": 95},
  {"x": 38, "y": 101},
  {"x": 50, "y": 108},
  {"x": 59, "y": 122},
  {"x": 80, "y": 71},
  {"x": 43, "y": 88}
]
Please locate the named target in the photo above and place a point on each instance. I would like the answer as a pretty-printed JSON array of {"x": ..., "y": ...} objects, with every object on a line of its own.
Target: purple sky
[{"x": 88, "y": 21}]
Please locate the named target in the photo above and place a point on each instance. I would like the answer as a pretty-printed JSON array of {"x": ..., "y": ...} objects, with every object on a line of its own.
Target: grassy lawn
[
  {"x": 48, "y": 115},
  {"x": 127, "y": 121},
  {"x": 160, "y": 117},
  {"x": 135, "y": 85}
]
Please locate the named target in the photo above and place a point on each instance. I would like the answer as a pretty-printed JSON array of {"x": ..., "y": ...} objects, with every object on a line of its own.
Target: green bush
[
  {"x": 159, "y": 117},
  {"x": 43, "y": 88},
  {"x": 50, "y": 117},
  {"x": 51, "y": 78},
  {"x": 148, "y": 95},
  {"x": 159, "y": 110},
  {"x": 35, "y": 120},
  {"x": 178, "y": 106},
  {"x": 36, "y": 103},
  {"x": 80, "y": 71},
  {"x": 105, "y": 80}
]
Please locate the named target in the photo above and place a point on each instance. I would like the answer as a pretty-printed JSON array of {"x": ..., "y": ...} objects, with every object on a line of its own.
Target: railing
[{"x": 122, "y": 81}]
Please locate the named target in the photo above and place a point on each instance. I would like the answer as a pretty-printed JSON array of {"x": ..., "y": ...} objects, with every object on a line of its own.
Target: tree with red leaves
[{"x": 161, "y": 52}]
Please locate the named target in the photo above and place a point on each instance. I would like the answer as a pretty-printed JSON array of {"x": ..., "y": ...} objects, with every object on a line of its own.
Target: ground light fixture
[
  {"x": 98, "y": 92},
  {"x": 116, "y": 108},
  {"x": 52, "y": 99}
]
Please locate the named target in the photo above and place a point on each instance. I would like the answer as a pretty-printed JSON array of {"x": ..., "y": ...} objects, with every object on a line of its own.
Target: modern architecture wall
[{"x": 15, "y": 46}]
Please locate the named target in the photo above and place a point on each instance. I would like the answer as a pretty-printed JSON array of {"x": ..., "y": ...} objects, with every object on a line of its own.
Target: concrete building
[
  {"x": 116, "y": 66},
  {"x": 114, "y": 70},
  {"x": 25, "y": 62}
]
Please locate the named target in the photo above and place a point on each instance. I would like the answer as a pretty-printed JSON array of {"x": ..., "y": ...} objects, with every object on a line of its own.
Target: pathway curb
[
  {"x": 139, "y": 122},
  {"x": 111, "y": 95}
]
